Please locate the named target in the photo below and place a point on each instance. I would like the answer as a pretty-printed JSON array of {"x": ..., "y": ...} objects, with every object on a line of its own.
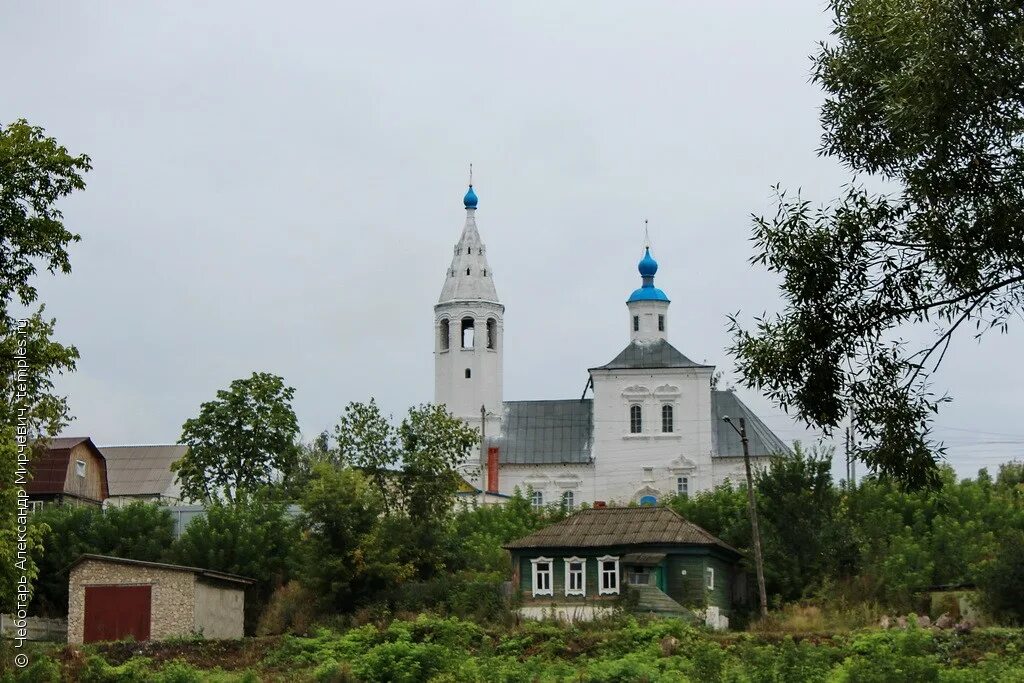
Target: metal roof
[
  {"x": 649, "y": 355},
  {"x": 545, "y": 432},
  {"x": 608, "y": 527},
  {"x": 141, "y": 470},
  {"x": 760, "y": 439},
  {"x": 206, "y": 573}
]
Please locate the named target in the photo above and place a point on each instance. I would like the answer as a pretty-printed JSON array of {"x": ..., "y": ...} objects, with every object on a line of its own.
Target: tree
[
  {"x": 1001, "y": 579},
  {"x": 241, "y": 441},
  {"x": 255, "y": 536},
  {"x": 36, "y": 172},
  {"x": 926, "y": 99},
  {"x": 140, "y": 531}
]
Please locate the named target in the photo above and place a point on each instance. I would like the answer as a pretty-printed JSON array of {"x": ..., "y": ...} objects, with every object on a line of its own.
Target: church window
[
  {"x": 444, "y": 334},
  {"x": 636, "y": 323},
  {"x": 648, "y": 500},
  {"x": 467, "y": 271},
  {"x": 666, "y": 419},
  {"x": 635, "y": 419},
  {"x": 485, "y": 272},
  {"x": 568, "y": 500},
  {"x": 609, "y": 575},
  {"x": 467, "y": 333},
  {"x": 537, "y": 499},
  {"x": 469, "y": 250},
  {"x": 468, "y": 373},
  {"x": 683, "y": 486},
  {"x": 542, "y": 576},
  {"x": 492, "y": 333},
  {"x": 661, "y": 323}
]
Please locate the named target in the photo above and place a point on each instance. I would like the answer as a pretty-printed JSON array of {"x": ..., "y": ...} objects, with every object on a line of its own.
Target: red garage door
[{"x": 116, "y": 612}]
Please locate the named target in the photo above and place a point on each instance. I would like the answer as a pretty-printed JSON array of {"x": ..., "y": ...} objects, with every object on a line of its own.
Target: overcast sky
[{"x": 277, "y": 187}]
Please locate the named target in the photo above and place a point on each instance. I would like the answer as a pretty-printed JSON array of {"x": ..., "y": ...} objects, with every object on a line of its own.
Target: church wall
[
  {"x": 552, "y": 480},
  {"x": 627, "y": 465}
]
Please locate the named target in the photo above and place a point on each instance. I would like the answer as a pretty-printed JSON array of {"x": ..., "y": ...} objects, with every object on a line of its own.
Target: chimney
[
  {"x": 600, "y": 504},
  {"x": 492, "y": 469}
]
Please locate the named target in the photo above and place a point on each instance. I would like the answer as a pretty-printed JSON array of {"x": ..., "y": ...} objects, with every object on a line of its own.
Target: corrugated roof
[
  {"x": 605, "y": 527},
  {"x": 760, "y": 439},
  {"x": 545, "y": 432},
  {"x": 649, "y": 355},
  {"x": 207, "y": 573},
  {"x": 141, "y": 470}
]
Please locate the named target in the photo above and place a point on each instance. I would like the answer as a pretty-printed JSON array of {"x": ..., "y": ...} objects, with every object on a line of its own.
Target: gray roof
[
  {"x": 205, "y": 573},
  {"x": 610, "y": 527},
  {"x": 140, "y": 470},
  {"x": 545, "y": 432},
  {"x": 760, "y": 439},
  {"x": 644, "y": 355}
]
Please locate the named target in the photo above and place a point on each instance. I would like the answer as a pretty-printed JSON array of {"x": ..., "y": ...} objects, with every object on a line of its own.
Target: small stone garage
[{"x": 111, "y": 598}]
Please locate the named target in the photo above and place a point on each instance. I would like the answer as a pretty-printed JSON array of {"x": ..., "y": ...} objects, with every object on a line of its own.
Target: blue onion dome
[
  {"x": 470, "y": 199},
  {"x": 648, "y": 267}
]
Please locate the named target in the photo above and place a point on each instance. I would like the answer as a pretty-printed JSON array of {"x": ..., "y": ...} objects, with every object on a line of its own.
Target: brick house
[{"x": 71, "y": 471}]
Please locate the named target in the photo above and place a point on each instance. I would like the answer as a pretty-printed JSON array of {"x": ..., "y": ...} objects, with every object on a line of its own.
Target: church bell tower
[{"x": 468, "y": 331}]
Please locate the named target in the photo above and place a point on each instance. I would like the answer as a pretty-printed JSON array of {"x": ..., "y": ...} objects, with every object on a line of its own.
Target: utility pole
[
  {"x": 483, "y": 429},
  {"x": 752, "y": 508}
]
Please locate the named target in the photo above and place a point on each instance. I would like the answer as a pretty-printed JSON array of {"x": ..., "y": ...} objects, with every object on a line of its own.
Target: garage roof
[{"x": 205, "y": 573}]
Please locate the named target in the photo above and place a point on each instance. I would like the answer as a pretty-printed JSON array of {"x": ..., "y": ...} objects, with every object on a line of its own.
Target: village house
[
  {"x": 143, "y": 473},
  {"x": 71, "y": 470},
  {"x": 584, "y": 564}
]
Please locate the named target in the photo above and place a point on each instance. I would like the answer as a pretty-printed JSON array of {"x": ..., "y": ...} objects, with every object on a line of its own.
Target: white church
[{"x": 655, "y": 426}]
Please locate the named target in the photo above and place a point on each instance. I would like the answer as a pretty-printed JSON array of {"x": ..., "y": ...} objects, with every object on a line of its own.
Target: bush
[{"x": 291, "y": 610}]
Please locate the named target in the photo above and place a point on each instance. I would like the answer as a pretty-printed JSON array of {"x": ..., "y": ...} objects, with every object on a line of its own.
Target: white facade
[{"x": 653, "y": 428}]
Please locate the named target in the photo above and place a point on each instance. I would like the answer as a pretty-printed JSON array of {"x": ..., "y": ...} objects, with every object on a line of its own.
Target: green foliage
[
  {"x": 1001, "y": 579},
  {"x": 925, "y": 98},
  {"x": 241, "y": 441},
  {"x": 254, "y": 537},
  {"x": 140, "y": 531}
]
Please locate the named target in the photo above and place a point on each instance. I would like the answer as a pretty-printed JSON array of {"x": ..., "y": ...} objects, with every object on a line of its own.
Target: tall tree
[
  {"x": 36, "y": 172},
  {"x": 240, "y": 442},
  {"x": 928, "y": 99}
]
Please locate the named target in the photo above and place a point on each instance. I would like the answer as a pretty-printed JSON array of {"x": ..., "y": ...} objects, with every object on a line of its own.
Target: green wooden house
[{"x": 595, "y": 557}]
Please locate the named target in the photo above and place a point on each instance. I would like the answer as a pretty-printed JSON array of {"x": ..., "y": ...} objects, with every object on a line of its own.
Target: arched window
[
  {"x": 492, "y": 333},
  {"x": 467, "y": 271},
  {"x": 468, "y": 373},
  {"x": 666, "y": 419},
  {"x": 467, "y": 333},
  {"x": 635, "y": 419},
  {"x": 568, "y": 500},
  {"x": 648, "y": 500},
  {"x": 636, "y": 323},
  {"x": 661, "y": 323},
  {"x": 469, "y": 250},
  {"x": 443, "y": 332}
]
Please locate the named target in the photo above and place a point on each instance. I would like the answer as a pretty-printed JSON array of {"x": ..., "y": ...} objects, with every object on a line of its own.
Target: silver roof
[
  {"x": 760, "y": 439},
  {"x": 546, "y": 432},
  {"x": 140, "y": 470}
]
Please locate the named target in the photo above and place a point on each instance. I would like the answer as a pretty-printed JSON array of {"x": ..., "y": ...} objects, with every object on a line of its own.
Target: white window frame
[
  {"x": 569, "y": 500},
  {"x": 709, "y": 578},
  {"x": 550, "y": 590},
  {"x": 639, "y": 421},
  {"x": 683, "y": 485},
  {"x": 582, "y": 590},
  {"x": 601, "y": 571},
  {"x": 536, "y": 499},
  {"x": 671, "y": 418},
  {"x": 35, "y": 505},
  {"x": 80, "y": 468}
]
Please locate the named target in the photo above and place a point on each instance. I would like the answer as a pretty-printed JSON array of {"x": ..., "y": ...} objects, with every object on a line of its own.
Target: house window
[
  {"x": 609, "y": 575},
  {"x": 492, "y": 333},
  {"x": 537, "y": 499},
  {"x": 568, "y": 500},
  {"x": 467, "y": 333},
  {"x": 666, "y": 419},
  {"x": 636, "y": 323},
  {"x": 443, "y": 333},
  {"x": 542, "y": 576},
  {"x": 709, "y": 573},
  {"x": 683, "y": 486},
  {"x": 661, "y": 323},
  {"x": 80, "y": 468},
  {"x": 635, "y": 419},
  {"x": 575, "y": 576},
  {"x": 35, "y": 505},
  {"x": 639, "y": 576},
  {"x": 468, "y": 373}
]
